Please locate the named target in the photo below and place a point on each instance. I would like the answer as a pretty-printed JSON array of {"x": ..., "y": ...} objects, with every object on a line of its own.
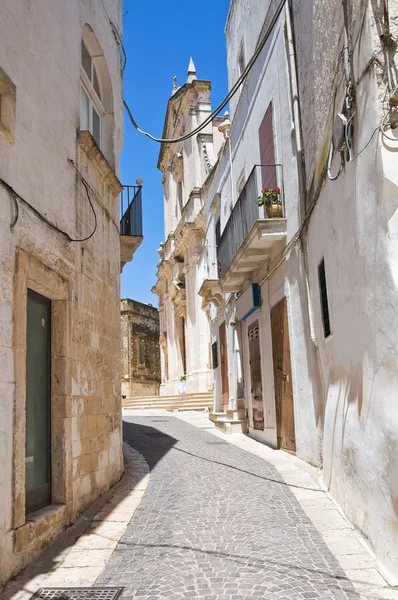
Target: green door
[{"x": 38, "y": 406}]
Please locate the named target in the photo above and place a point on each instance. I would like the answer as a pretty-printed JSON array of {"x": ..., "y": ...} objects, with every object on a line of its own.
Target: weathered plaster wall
[
  {"x": 354, "y": 228},
  {"x": 139, "y": 324},
  {"x": 86, "y": 410}
]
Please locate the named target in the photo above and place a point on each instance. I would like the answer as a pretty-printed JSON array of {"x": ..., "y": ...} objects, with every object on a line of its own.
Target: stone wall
[
  {"x": 58, "y": 171},
  {"x": 140, "y": 351}
]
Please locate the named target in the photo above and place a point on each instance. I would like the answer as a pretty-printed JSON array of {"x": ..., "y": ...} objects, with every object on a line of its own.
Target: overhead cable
[
  {"x": 16, "y": 197},
  {"x": 227, "y": 98}
]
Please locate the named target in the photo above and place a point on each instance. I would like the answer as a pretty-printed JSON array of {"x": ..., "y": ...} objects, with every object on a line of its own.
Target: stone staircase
[
  {"x": 198, "y": 401},
  {"x": 231, "y": 420}
]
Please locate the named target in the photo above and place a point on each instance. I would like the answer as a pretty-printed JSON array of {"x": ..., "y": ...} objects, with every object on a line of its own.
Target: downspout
[
  {"x": 296, "y": 112},
  {"x": 302, "y": 190},
  {"x": 300, "y": 157}
]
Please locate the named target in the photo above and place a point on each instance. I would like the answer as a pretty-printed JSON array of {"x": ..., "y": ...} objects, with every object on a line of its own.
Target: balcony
[
  {"x": 251, "y": 231},
  {"x": 131, "y": 234}
]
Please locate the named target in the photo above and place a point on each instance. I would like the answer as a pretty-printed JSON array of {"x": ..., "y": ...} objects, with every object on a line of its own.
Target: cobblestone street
[{"x": 217, "y": 522}]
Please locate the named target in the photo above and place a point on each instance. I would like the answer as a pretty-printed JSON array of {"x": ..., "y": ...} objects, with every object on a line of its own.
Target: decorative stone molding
[
  {"x": 163, "y": 340},
  {"x": 211, "y": 291},
  {"x": 206, "y": 157},
  {"x": 86, "y": 141}
]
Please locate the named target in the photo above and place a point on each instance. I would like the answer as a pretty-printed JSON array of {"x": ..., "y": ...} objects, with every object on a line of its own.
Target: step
[
  {"x": 229, "y": 426},
  {"x": 241, "y": 403},
  {"x": 236, "y": 414},
  {"x": 213, "y": 416}
]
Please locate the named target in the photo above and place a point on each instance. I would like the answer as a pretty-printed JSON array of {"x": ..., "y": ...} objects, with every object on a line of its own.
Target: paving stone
[{"x": 218, "y": 522}]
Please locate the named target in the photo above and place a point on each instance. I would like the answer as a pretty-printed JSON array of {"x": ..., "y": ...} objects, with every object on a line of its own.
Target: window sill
[{"x": 40, "y": 527}]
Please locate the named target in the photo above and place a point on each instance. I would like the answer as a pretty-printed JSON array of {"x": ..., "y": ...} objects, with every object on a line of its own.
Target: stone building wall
[
  {"x": 48, "y": 166},
  {"x": 140, "y": 351}
]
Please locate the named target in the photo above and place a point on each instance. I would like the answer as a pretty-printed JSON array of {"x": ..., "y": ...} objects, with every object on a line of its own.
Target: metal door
[
  {"x": 224, "y": 364},
  {"x": 38, "y": 406},
  {"x": 283, "y": 377},
  {"x": 255, "y": 376}
]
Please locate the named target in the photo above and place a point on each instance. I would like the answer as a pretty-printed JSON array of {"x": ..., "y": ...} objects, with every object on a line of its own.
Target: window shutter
[{"x": 267, "y": 150}]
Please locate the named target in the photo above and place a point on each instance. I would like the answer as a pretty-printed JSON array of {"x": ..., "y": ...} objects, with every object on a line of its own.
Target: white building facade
[
  {"x": 186, "y": 167},
  {"x": 301, "y": 294},
  {"x": 61, "y": 133}
]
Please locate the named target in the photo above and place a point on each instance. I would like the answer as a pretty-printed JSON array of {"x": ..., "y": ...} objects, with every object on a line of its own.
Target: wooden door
[
  {"x": 283, "y": 377},
  {"x": 255, "y": 376},
  {"x": 224, "y": 364}
]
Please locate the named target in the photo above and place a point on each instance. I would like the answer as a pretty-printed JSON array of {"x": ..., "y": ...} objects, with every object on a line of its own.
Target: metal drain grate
[
  {"x": 157, "y": 434},
  {"x": 81, "y": 593}
]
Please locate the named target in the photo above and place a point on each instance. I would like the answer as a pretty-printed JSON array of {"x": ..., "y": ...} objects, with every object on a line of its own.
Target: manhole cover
[{"x": 82, "y": 593}]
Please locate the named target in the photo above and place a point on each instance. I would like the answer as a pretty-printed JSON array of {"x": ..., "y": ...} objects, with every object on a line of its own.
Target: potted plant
[
  {"x": 271, "y": 199},
  {"x": 182, "y": 386}
]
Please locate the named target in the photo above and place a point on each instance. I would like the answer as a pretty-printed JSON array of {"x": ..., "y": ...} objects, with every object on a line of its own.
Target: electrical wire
[
  {"x": 382, "y": 129},
  {"x": 378, "y": 128},
  {"x": 227, "y": 98},
  {"x": 330, "y": 158},
  {"x": 16, "y": 197}
]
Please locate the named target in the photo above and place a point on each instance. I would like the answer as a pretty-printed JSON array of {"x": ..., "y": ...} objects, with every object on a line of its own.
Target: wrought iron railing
[
  {"x": 131, "y": 210},
  {"x": 247, "y": 211}
]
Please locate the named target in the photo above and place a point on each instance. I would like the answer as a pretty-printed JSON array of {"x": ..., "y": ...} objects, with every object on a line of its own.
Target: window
[
  {"x": 141, "y": 352},
  {"x": 91, "y": 107},
  {"x": 179, "y": 194},
  {"x": 214, "y": 354},
  {"x": 218, "y": 237},
  {"x": 7, "y": 106},
  {"x": 267, "y": 150},
  {"x": 38, "y": 403},
  {"x": 324, "y": 299}
]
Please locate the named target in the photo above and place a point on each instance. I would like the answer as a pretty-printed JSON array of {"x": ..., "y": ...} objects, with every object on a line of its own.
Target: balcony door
[
  {"x": 267, "y": 151},
  {"x": 38, "y": 405}
]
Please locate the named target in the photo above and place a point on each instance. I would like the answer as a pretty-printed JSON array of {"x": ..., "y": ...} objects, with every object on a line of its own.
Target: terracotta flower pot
[{"x": 274, "y": 210}]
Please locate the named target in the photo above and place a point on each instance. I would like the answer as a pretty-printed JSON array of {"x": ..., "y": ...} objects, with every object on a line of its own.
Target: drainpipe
[
  {"x": 301, "y": 181},
  {"x": 296, "y": 112},
  {"x": 300, "y": 155}
]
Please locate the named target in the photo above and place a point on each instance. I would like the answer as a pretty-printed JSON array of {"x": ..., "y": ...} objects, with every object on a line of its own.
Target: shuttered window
[
  {"x": 267, "y": 150},
  {"x": 324, "y": 299}
]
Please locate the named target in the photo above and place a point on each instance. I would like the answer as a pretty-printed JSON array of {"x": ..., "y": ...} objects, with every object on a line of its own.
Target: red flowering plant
[{"x": 269, "y": 196}]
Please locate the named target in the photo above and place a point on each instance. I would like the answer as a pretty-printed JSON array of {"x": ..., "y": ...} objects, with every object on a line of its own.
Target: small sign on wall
[{"x": 248, "y": 302}]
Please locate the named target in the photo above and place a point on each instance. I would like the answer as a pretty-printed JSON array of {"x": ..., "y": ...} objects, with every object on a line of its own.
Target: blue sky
[{"x": 159, "y": 38}]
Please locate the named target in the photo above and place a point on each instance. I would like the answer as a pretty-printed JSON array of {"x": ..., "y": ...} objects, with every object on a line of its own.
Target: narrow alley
[{"x": 217, "y": 522}]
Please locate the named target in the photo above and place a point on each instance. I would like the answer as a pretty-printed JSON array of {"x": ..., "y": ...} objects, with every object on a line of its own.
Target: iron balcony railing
[
  {"x": 246, "y": 212},
  {"x": 131, "y": 210}
]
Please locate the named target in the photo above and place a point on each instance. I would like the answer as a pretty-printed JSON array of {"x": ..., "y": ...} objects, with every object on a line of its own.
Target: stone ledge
[{"x": 40, "y": 527}]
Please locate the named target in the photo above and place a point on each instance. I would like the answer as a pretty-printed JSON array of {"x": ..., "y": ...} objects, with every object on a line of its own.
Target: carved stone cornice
[{"x": 211, "y": 291}]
